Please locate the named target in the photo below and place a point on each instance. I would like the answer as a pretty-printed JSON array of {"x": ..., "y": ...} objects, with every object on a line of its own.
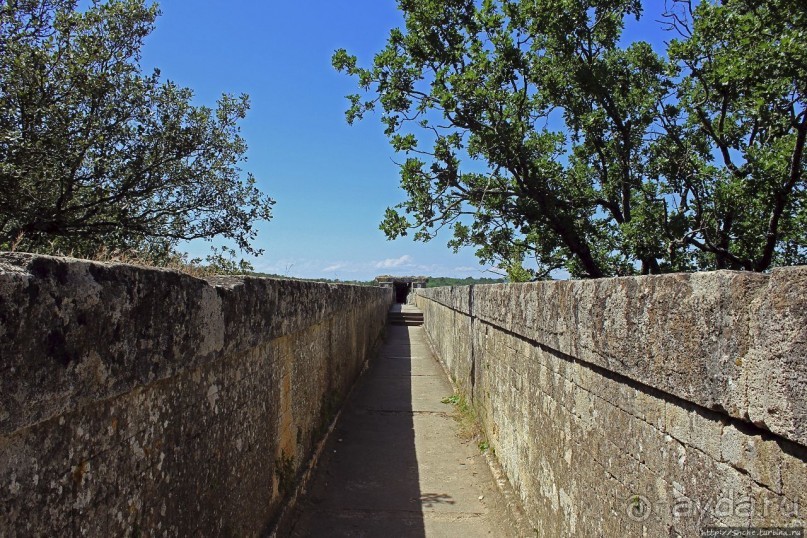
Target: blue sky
[{"x": 332, "y": 182}]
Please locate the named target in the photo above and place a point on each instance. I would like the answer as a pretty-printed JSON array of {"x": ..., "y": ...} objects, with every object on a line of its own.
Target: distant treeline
[
  {"x": 433, "y": 282},
  {"x": 327, "y": 280}
]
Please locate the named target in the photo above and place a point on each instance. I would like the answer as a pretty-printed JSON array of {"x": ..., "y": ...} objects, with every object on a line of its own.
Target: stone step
[{"x": 405, "y": 318}]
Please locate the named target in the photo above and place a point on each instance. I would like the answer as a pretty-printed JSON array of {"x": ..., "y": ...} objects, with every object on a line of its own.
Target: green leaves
[
  {"x": 95, "y": 154},
  {"x": 550, "y": 145},
  {"x": 394, "y": 225},
  {"x": 743, "y": 96}
]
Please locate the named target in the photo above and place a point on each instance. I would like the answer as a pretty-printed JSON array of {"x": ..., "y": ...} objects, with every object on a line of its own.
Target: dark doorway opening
[{"x": 401, "y": 291}]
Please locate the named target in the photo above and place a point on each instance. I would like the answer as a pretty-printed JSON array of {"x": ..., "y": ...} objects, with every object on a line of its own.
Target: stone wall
[
  {"x": 649, "y": 405},
  {"x": 141, "y": 401}
]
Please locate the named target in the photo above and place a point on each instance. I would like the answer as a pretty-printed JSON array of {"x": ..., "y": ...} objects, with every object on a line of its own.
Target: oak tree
[
  {"x": 94, "y": 153},
  {"x": 532, "y": 130}
]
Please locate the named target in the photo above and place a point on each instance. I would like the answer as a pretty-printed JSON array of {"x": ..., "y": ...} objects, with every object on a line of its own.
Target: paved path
[
  {"x": 398, "y": 307},
  {"x": 395, "y": 465}
]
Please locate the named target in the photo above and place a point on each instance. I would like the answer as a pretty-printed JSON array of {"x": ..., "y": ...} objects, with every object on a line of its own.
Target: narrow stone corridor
[
  {"x": 141, "y": 401},
  {"x": 395, "y": 464}
]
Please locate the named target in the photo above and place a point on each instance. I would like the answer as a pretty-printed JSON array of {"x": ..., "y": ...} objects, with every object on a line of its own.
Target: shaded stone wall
[
  {"x": 652, "y": 405},
  {"x": 137, "y": 400}
]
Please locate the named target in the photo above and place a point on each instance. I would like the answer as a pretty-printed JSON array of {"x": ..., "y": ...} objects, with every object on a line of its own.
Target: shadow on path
[
  {"x": 395, "y": 465},
  {"x": 367, "y": 481}
]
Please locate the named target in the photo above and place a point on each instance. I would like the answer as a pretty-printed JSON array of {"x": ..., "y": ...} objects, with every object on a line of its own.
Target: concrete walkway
[
  {"x": 395, "y": 465},
  {"x": 398, "y": 307}
]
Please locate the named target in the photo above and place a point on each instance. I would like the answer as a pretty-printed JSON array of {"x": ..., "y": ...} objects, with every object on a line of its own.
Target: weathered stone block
[
  {"x": 136, "y": 399},
  {"x": 689, "y": 387}
]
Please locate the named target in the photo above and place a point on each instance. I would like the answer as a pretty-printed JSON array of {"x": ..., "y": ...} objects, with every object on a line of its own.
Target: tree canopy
[
  {"x": 535, "y": 133},
  {"x": 96, "y": 154}
]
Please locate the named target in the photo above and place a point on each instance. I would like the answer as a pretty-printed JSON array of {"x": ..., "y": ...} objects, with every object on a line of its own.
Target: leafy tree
[
  {"x": 533, "y": 132},
  {"x": 735, "y": 143},
  {"x": 96, "y": 154}
]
